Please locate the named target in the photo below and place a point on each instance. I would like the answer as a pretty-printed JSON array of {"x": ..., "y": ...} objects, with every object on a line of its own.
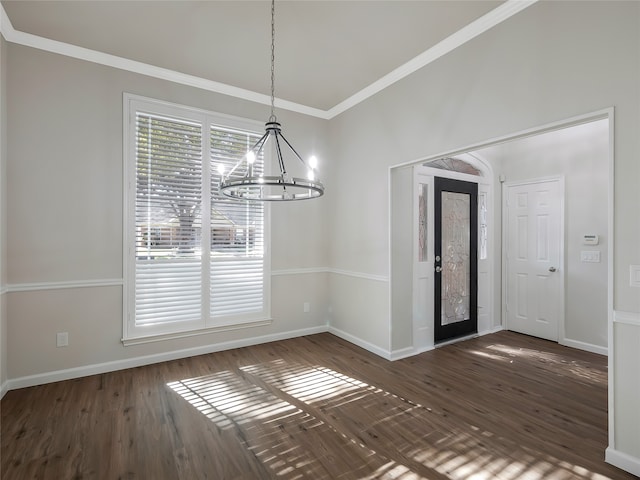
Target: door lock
[
  {"x": 552, "y": 269},
  {"x": 438, "y": 269}
]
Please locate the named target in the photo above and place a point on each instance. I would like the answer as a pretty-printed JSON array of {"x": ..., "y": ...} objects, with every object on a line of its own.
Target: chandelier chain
[
  {"x": 245, "y": 184},
  {"x": 273, "y": 58}
]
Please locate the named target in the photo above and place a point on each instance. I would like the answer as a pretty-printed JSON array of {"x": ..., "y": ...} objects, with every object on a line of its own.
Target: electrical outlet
[
  {"x": 306, "y": 308},
  {"x": 62, "y": 339}
]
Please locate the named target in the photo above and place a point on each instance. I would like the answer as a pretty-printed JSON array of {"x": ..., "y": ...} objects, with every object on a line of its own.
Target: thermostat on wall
[{"x": 590, "y": 240}]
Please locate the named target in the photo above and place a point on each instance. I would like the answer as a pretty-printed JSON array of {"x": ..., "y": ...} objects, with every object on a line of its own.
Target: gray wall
[
  {"x": 65, "y": 219},
  {"x": 551, "y": 62}
]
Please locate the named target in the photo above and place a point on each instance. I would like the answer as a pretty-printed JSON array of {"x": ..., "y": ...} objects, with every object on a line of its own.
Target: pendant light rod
[
  {"x": 272, "y": 118},
  {"x": 250, "y": 187}
]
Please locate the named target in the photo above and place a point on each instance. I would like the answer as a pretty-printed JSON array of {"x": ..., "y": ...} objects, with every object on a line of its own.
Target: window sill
[{"x": 194, "y": 333}]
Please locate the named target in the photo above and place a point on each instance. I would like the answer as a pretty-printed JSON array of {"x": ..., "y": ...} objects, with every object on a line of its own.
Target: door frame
[
  {"x": 398, "y": 320},
  {"x": 423, "y": 332},
  {"x": 505, "y": 245},
  {"x": 456, "y": 330}
]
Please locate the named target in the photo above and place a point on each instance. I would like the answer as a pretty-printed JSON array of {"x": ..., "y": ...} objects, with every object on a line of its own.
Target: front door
[
  {"x": 535, "y": 276},
  {"x": 456, "y": 259}
]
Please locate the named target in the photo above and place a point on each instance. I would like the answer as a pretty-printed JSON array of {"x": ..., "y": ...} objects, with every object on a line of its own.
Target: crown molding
[
  {"x": 457, "y": 39},
  {"x": 41, "y": 43},
  {"x": 467, "y": 33}
]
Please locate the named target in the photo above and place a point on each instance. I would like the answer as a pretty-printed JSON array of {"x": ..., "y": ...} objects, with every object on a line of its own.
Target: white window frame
[{"x": 132, "y": 333}]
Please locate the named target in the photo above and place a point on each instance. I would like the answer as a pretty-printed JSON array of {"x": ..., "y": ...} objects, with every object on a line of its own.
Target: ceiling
[{"x": 326, "y": 51}]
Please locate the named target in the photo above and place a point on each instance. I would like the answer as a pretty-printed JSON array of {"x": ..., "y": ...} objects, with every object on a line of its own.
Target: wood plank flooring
[{"x": 504, "y": 406}]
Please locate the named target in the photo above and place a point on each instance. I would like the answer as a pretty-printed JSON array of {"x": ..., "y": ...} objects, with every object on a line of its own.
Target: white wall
[
  {"x": 551, "y": 62},
  {"x": 581, "y": 155},
  {"x": 64, "y": 165}
]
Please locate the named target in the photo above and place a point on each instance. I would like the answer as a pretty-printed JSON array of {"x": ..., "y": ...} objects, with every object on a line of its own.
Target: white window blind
[
  {"x": 237, "y": 232},
  {"x": 197, "y": 260},
  {"x": 168, "y": 220}
]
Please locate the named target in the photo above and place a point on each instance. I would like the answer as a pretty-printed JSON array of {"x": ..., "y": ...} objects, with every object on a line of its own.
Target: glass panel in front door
[
  {"x": 456, "y": 271},
  {"x": 456, "y": 258}
]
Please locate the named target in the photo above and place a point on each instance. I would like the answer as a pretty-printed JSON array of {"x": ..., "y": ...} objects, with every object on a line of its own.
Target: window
[{"x": 195, "y": 260}]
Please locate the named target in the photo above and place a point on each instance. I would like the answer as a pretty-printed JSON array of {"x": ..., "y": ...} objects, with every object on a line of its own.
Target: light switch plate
[
  {"x": 62, "y": 339},
  {"x": 590, "y": 256}
]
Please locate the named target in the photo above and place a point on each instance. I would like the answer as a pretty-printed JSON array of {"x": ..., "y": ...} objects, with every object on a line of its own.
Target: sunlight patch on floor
[{"x": 317, "y": 406}]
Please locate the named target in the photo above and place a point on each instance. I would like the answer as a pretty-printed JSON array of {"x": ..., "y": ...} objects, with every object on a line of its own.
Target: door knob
[
  {"x": 552, "y": 269},
  {"x": 438, "y": 269}
]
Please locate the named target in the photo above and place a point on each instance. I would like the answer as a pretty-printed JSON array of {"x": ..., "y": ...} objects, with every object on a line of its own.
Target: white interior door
[{"x": 534, "y": 257}]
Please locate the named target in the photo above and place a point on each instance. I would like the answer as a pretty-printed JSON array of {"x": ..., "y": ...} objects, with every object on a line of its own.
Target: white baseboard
[
  {"x": 622, "y": 460},
  {"x": 497, "y": 329},
  {"x": 67, "y": 374},
  {"x": 567, "y": 342},
  {"x": 4, "y": 388},
  {"x": 360, "y": 343},
  {"x": 408, "y": 352}
]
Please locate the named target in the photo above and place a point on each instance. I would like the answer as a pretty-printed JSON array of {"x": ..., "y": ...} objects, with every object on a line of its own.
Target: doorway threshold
[{"x": 456, "y": 340}]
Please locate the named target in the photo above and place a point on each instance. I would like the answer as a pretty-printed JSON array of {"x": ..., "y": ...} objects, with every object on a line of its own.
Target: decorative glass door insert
[
  {"x": 456, "y": 240},
  {"x": 456, "y": 271}
]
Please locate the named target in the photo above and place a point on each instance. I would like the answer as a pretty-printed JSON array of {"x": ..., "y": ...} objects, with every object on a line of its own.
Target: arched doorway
[{"x": 451, "y": 292}]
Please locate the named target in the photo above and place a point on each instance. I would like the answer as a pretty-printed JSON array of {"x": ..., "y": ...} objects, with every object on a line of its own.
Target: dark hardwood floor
[{"x": 503, "y": 406}]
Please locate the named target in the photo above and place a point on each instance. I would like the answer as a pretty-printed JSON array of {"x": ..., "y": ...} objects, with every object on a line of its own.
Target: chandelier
[{"x": 242, "y": 184}]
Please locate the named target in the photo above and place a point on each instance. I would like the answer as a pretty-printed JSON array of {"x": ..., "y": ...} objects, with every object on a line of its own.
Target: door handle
[
  {"x": 438, "y": 269},
  {"x": 552, "y": 269}
]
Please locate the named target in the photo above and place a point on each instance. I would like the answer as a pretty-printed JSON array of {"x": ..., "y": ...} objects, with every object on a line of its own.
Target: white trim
[
  {"x": 409, "y": 352},
  {"x": 381, "y": 352},
  {"x": 495, "y": 329},
  {"x": 41, "y": 43},
  {"x": 530, "y": 132},
  {"x": 77, "y": 372},
  {"x": 366, "y": 276},
  {"x": 588, "y": 347},
  {"x": 299, "y": 271},
  {"x": 111, "y": 282},
  {"x": 462, "y": 36},
  {"x": 132, "y": 333},
  {"x": 610, "y": 279},
  {"x": 389, "y": 259},
  {"x": 628, "y": 318},
  {"x": 40, "y": 286},
  {"x": 127, "y": 342},
  {"x": 622, "y": 460}
]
